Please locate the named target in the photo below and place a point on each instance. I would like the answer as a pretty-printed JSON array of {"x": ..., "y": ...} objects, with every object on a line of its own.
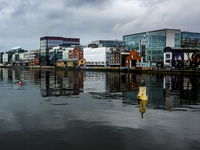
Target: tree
[{"x": 190, "y": 46}]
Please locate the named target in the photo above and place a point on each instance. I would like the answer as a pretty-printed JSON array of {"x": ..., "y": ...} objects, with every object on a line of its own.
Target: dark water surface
[{"x": 69, "y": 110}]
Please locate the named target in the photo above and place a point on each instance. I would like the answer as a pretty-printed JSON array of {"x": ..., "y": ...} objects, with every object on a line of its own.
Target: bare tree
[{"x": 190, "y": 46}]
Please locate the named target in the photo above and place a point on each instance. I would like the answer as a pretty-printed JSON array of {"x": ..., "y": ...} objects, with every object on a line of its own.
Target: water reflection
[
  {"x": 142, "y": 106},
  {"x": 16, "y": 75},
  {"x": 142, "y": 98},
  {"x": 104, "y": 114},
  {"x": 61, "y": 83},
  {"x": 180, "y": 91},
  {"x": 164, "y": 91}
]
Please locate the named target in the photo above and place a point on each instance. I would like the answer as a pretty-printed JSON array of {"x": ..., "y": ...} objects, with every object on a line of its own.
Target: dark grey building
[
  {"x": 1, "y": 57},
  {"x": 48, "y": 42}
]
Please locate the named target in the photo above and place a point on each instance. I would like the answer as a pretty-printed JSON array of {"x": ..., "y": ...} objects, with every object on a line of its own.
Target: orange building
[
  {"x": 75, "y": 53},
  {"x": 35, "y": 62},
  {"x": 81, "y": 62},
  {"x": 71, "y": 63},
  {"x": 132, "y": 59}
]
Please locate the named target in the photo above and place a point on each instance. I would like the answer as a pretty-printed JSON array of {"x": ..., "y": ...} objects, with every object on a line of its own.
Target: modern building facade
[
  {"x": 5, "y": 58},
  {"x": 48, "y": 42},
  {"x": 12, "y": 55},
  {"x": 55, "y": 54},
  {"x": 150, "y": 45},
  {"x": 97, "y": 56},
  {"x": 191, "y": 37},
  {"x": 108, "y": 43},
  {"x": 29, "y": 56}
]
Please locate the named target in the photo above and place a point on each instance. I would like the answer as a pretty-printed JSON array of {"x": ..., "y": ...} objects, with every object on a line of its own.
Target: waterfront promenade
[{"x": 119, "y": 69}]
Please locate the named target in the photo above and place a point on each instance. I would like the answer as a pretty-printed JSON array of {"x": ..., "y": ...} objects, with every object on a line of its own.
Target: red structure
[
  {"x": 75, "y": 53},
  {"x": 132, "y": 59}
]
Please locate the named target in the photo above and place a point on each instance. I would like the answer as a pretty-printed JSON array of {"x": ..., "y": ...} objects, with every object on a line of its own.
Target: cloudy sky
[{"x": 23, "y": 22}]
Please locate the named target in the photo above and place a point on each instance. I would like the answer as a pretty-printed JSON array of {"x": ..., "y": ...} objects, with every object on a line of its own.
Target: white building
[
  {"x": 14, "y": 57},
  {"x": 62, "y": 49},
  {"x": 28, "y": 56},
  {"x": 65, "y": 53},
  {"x": 5, "y": 58},
  {"x": 97, "y": 56}
]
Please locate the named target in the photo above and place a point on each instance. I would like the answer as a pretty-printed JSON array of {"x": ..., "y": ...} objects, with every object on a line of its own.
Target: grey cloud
[
  {"x": 87, "y": 3},
  {"x": 25, "y": 7},
  {"x": 23, "y": 22},
  {"x": 150, "y": 3},
  {"x": 56, "y": 14},
  {"x": 3, "y": 4}
]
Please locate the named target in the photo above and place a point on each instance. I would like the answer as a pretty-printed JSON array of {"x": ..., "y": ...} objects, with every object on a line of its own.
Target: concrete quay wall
[
  {"x": 117, "y": 69},
  {"x": 130, "y": 70}
]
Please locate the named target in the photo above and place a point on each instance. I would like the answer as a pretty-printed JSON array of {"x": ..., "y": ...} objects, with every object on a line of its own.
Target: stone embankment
[
  {"x": 131, "y": 70},
  {"x": 120, "y": 69}
]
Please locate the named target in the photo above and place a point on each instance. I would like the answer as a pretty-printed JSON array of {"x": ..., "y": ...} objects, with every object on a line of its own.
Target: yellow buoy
[
  {"x": 142, "y": 95},
  {"x": 142, "y": 106}
]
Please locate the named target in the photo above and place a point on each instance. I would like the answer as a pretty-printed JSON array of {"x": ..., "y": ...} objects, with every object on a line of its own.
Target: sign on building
[{"x": 143, "y": 65}]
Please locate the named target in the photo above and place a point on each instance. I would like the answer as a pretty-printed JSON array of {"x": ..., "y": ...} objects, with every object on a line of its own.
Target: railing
[{"x": 52, "y": 56}]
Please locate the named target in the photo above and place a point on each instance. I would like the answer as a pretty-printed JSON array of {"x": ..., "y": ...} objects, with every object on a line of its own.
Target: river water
[{"x": 69, "y": 110}]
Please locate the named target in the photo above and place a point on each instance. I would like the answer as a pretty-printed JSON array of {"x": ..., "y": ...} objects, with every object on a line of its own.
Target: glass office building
[
  {"x": 192, "y": 36},
  {"x": 48, "y": 42},
  {"x": 108, "y": 43},
  {"x": 150, "y": 45}
]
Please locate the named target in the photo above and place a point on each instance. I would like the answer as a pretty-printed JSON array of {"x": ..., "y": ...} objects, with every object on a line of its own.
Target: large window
[
  {"x": 161, "y": 33},
  {"x": 192, "y": 36},
  {"x": 133, "y": 41},
  {"x": 156, "y": 38},
  {"x": 167, "y": 55},
  {"x": 177, "y": 40}
]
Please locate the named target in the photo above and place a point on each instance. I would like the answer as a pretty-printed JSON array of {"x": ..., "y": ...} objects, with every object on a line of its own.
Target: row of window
[
  {"x": 112, "y": 57},
  {"x": 167, "y": 55},
  {"x": 70, "y": 52},
  {"x": 57, "y": 42},
  {"x": 154, "y": 51},
  {"x": 155, "y": 58},
  {"x": 156, "y": 38},
  {"x": 156, "y": 44},
  {"x": 137, "y": 37},
  {"x": 185, "y": 35},
  {"x": 161, "y": 33},
  {"x": 95, "y": 63},
  {"x": 114, "y": 61}
]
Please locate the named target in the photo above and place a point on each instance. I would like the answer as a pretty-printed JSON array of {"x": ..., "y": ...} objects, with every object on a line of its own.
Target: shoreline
[{"x": 114, "y": 69}]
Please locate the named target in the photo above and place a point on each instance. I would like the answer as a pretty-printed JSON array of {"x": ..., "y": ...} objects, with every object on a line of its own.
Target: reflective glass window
[{"x": 177, "y": 40}]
